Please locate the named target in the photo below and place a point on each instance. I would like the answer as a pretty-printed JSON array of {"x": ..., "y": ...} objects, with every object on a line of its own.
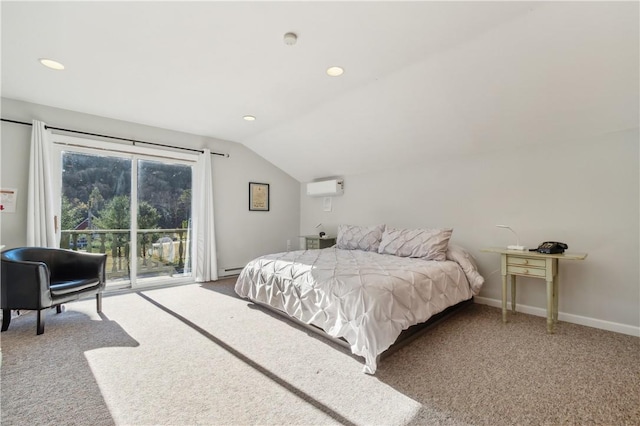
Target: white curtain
[
  {"x": 205, "y": 264},
  {"x": 41, "y": 215}
]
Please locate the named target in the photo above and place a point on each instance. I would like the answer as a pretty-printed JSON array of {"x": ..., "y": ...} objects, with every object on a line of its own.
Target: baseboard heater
[{"x": 227, "y": 272}]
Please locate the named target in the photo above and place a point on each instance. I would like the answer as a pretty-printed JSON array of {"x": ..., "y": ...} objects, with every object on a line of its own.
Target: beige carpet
[{"x": 199, "y": 355}]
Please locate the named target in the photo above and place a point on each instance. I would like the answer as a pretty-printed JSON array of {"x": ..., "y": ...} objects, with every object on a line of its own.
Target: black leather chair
[{"x": 36, "y": 278}]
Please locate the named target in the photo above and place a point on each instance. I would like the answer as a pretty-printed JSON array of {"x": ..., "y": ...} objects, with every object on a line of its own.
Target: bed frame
[{"x": 403, "y": 339}]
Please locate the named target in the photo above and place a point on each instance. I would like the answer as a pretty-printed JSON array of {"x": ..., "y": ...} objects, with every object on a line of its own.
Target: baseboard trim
[{"x": 574, "y": 319}]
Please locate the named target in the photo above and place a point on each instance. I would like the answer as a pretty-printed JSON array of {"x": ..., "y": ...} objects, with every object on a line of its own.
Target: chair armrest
[{"x": 32, "y": 291}]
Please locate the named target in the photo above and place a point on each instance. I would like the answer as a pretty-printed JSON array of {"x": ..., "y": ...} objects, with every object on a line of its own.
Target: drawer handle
[
  {"x": 526, "y": 271},
  {"x": 526, "y": 262}
]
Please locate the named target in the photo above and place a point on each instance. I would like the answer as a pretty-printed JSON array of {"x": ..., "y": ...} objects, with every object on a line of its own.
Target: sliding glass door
[
  {"x": 133, "y": 206},
  {"x": 164, "y": 218}
]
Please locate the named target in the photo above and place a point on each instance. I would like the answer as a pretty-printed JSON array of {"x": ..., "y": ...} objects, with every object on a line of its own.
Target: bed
[{"x": 369, "y": 287}]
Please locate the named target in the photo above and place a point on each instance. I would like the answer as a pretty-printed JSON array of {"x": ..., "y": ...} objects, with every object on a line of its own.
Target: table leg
[
  {"x": 513, "y": 294},
  {"x": 550, "y": 287},
  {"x": 504, "y": 298},
  {"x": 555, "y": 300}
]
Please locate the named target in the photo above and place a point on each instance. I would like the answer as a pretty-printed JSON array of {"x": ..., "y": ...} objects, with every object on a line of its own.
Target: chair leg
[
  {"x": 42, "y": 314},
  {"x": 58, "y": 309},
  {"x": 99, "y": 302},
  {"x": 6, "y": 319}
]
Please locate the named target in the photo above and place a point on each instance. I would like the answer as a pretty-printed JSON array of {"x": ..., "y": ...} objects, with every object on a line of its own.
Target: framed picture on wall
[{"x": 258, "y": 197}]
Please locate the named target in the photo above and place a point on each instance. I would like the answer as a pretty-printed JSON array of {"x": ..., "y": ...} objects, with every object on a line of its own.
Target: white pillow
[
  {"x": 353, "y": 237},
  {"x": 427, "y": 244},
  {"x": 468, "y": 264}
]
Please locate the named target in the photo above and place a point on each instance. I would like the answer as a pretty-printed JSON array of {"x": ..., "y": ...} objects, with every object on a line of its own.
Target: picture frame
[
  {"x": 258, "y": 197},
  {"x": 8, "y": 197}
]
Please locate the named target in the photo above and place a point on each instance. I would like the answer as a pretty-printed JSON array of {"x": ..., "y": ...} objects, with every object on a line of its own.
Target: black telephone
[{"x": 551, "y": 247}]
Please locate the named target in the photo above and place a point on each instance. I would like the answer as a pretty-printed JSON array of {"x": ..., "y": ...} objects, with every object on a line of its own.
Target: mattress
[{"x": 363, "y": 297}]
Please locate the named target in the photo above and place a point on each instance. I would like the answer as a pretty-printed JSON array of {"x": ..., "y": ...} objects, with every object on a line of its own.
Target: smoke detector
[{"x": 290, "y": 39}]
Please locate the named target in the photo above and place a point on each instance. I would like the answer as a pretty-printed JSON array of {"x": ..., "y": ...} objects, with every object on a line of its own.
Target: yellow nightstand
[
  {"x": 534, "y": 265},
  {"x": 315, "y": 242}
]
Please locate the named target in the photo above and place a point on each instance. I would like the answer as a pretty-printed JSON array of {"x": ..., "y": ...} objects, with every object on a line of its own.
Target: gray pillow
[
  {"x": 353, "y": 237},
  {"x": 428, "y": 244}
]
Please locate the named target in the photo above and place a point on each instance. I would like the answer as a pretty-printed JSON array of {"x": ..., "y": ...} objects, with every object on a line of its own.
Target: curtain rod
[{"x": 134, "y": 141}]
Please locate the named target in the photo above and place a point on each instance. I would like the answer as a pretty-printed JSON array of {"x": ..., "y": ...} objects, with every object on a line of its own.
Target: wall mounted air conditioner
[{"x": 325, "y": 188}]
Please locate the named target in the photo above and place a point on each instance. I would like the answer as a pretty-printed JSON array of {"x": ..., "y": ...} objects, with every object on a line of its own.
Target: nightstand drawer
[
  {"x": 524, "y": 270},
  {"x": 513, "y": 260},
  {"x": 315, "y": 242}
]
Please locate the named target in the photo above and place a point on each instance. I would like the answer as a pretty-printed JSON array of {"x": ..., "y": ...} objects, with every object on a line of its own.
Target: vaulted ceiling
[{"x": 423, "y": 81}]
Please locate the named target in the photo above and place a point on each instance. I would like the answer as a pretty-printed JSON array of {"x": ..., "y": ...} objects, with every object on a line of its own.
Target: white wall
[
  {"x": 583, "y": 192},
  {"x": 241, "y": 235}
]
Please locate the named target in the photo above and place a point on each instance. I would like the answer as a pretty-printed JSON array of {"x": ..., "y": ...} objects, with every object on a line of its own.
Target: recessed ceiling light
[
  {"x": 334, "y": 71},
  {"x": 249, "y": 118},
  {"x": 50, "y": 63}
]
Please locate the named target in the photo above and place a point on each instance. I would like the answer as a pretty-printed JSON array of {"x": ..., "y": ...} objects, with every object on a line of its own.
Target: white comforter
[{"x": 364, "y": 297}]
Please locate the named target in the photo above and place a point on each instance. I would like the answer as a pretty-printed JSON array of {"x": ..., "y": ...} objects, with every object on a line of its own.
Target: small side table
[
  {"x": 534, "y": 265},
  {"x": 315, "y": 242}
]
